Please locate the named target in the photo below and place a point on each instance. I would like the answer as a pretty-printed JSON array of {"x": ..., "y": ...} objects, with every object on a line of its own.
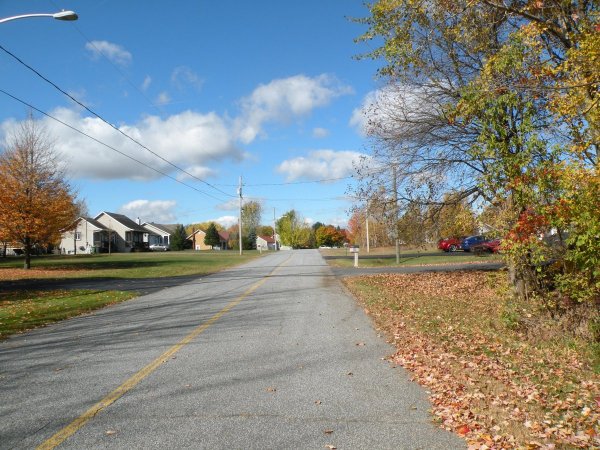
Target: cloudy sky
[{"x": 165, "y": 105}]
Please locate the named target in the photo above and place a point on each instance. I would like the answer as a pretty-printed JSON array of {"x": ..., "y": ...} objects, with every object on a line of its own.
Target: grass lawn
[
  {"x": 412, "y": 259},
  {"x": 501, "y": 374},
  {"x": 20, "y": 311},
  {"x": 23, "y": 310},
  {"x": 123, "y": 265}
]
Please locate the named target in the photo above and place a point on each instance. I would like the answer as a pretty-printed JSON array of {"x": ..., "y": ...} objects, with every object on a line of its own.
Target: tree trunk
[
  {"x": 4, "y": 245},
  {"x": 27, "y": 250},
  {"x": 516, "y": 281}
]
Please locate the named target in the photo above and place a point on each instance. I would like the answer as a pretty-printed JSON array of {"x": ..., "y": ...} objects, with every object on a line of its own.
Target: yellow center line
[{"x": 135, "y": 379}]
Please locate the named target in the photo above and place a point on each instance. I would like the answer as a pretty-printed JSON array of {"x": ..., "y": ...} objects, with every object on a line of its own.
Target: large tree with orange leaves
[{"x": 35, "y": 200}]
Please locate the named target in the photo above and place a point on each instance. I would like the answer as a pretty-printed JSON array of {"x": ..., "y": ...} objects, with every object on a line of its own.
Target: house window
[{"x": 78, "y": 235}]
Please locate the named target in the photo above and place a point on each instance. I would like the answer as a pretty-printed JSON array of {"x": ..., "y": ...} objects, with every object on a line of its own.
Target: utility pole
[
  {"x": 240, "y": 215},
  {"x": 395, "y": 188}
]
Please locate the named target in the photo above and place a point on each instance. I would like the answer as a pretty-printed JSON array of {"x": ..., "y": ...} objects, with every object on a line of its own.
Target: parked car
[
  {"x": 471, "y": 241},
  {"x": 450, "y": 244},
  {"x": 159, "y": 248},
  {"x": 490, "y": 246}
]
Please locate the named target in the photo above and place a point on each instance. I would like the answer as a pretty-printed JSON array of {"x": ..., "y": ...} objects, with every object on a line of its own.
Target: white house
[
  {"x": 159, "y": 233},
  {"x": 266, "y": 243},
  {"x": 86, "y": 236},
  {"x": 125, "y": 234}
]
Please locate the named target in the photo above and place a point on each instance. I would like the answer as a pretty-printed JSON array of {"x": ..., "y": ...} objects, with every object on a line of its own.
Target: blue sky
[{"x": 267, "y": 90}]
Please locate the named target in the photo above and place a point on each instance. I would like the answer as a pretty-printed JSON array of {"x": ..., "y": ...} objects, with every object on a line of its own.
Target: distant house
[
  {"x": 265, "y": 243},
  {"x": 125, "y": 234},
  {"x": 86, "y": 236},
  {"x": 197, "y": 238},
  {"x": 159, "y": 234}
]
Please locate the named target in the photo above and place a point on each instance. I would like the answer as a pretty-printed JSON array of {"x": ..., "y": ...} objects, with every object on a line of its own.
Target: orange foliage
[{"x": 35, "y": 201}]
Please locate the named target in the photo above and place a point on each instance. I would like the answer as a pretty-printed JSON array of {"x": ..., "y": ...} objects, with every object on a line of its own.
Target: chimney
[{"x": 138, "y": 220}]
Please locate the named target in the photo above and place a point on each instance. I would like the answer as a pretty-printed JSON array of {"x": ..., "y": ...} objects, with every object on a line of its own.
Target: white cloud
[
  {"x": 189, "y": 140},
  {"x": 113, "y": 52},
  {"x": 358, "y": 120},
  {"x": 230, "y": 205},
  {"x": 285, "y": 99},
  {"x": 183, "y": 75},
  {"x": 146, "y": 83},
  {"x": 338, "y": 222},
  {"x": 158, "y": 211},
  {"x": 201, "y": 172},
  {"x": 234, "y": 203},
  {"x": 321, "y": 165},
  {"x": 320, "y": 132},
  {"x": 226, "y": 221},
  {"x": 163, "y": 98}
]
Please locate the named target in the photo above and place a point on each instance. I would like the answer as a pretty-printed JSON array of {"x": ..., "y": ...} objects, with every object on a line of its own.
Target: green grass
[
  {"x": 24, "y": 310},
  {"x": 412, "y": 260},
  {"x": 128, "y": 265}
]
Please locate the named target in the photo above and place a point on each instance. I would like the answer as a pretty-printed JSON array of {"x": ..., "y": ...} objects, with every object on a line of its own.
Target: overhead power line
[{"x": 108, "y": 123}]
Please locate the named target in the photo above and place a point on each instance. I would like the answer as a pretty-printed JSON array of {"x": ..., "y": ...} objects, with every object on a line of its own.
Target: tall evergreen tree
[{"x": 212, "y": 236}]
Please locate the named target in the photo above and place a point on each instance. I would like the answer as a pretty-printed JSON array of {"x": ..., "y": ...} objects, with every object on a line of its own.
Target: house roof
[
  {"x": 268, "y": 239},
  {"x": 123, "y": 220},
  {"x": 195, "y": 232},
  {"x": 224, "y": 235},
  {"x": 167, "y": 228},
  {"x": 94, "y": 223},
  {"x": 91, "y": 221}
]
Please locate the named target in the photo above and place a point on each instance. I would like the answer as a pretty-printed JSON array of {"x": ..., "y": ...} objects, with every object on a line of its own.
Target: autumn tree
[
  {"x": 211, "y": 237},
  {"x": 36, "y": 202},
  {"x": 498, "y": 103},
  {"x": 379, "y": 227},
  {"x": 454, "y": 218},
  {"x": 413, "y": 226},
  {"x": 330, "y": 236}
]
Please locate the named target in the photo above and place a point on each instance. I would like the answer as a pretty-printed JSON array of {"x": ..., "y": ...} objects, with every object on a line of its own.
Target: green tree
[
  {"x": 251, "y": 215},
  {"x": 293, "y": 231},
  {"x": 178, "y": 240},
  {"x": 264, "y": 230},
  {"x": 211, "y": 237}
]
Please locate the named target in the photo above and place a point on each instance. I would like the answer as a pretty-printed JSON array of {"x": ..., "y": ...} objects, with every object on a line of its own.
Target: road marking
[{"x": 62, "y": 435}]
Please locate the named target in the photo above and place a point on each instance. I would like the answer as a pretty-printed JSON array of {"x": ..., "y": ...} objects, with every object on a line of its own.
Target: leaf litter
[{"x": 489, "y": 384}]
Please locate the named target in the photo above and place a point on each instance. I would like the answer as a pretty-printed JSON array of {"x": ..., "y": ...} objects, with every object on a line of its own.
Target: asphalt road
[{"x": 270, "y": 355}]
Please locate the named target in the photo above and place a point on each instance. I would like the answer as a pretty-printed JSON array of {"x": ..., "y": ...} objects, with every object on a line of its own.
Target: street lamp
[{"x": 61, "y": 15}]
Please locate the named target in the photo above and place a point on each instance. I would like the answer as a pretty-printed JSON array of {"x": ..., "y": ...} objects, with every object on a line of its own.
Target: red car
[
  {"x": 450, "y": 244},
  {"x": 491, "y": 246}
]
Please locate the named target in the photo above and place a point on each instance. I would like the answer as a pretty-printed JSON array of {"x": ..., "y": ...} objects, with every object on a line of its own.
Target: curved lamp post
[{"x": 62, "y": 15}]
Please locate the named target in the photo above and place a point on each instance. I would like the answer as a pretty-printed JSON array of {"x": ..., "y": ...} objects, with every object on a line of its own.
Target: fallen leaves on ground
[
  {"x": 34, "y": 273},
  {"x": 488, "y": 383}
]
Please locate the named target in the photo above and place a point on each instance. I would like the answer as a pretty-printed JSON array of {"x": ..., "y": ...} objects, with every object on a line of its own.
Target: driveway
[{"x": 271, "y": 354}]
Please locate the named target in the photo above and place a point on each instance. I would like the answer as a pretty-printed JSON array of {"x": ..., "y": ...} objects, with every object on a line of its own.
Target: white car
[{"x": 159, "y": 248}]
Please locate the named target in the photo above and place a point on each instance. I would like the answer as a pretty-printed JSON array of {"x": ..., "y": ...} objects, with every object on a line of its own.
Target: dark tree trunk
[{"x": 27, "y": 251}]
